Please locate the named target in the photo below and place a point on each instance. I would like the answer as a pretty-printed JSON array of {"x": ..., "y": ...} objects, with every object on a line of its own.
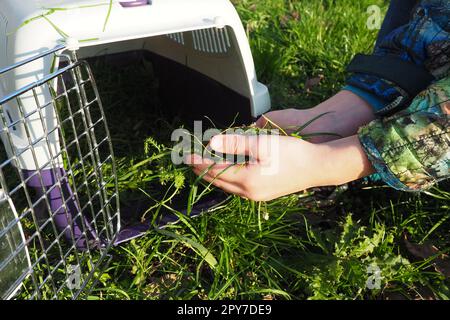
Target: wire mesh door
[{"x": 59, "y": 204}]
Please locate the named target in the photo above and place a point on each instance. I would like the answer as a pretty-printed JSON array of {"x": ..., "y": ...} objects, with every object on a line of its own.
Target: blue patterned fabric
[{"x": 424, "y": 41}]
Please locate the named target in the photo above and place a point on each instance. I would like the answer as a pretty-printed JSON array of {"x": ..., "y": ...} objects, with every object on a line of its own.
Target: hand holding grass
[
  {"x": 342, "y": 115},
  {"x": 281, "y": 165}
]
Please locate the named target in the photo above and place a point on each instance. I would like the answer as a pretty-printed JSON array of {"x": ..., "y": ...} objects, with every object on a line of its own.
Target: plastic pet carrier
[{"x": 59, "y": 202}]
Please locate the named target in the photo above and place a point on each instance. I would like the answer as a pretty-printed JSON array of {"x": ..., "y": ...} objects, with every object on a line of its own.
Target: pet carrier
[{"x": 59, "y": 203}]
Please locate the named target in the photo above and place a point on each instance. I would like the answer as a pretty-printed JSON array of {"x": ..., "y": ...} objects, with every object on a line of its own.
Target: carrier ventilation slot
[
  {"x": 177, "y": 37},
  {"x": 211, "y": 40}
]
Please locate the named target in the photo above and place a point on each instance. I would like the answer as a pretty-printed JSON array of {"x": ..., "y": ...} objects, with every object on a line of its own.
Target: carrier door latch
[{"x": 135, "y": 3}]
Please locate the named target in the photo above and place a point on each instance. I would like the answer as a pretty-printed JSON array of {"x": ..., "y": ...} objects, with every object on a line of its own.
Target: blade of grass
[
  {"x": 108, "y": 14},
  {"x": 197, "y": 247},
  {"x": 308, "y": 123},
  {"x": 61, "y": 32}
]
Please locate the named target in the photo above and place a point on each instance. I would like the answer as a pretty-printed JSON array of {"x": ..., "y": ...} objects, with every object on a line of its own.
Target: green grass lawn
[{"x": 294, "y": 247}]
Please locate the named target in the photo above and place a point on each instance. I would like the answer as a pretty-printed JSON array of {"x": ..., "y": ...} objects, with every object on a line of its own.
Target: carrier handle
[{"x": 135, "y": 3}]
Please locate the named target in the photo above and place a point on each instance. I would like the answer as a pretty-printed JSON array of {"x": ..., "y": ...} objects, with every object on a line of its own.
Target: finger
[
  {"x": 235, "y": 144},
  {"x": 231, "y": 173},
  {"x": 205, "y": 164},
  {"x": 270, "y": 119},
  {"x": 197, "y": 160},
  {"x": 224, "y": 171},
  {"x": 262, "y": 121},
  {"x": 227, "y": 172},
  {"x": 219, "y": 183}
]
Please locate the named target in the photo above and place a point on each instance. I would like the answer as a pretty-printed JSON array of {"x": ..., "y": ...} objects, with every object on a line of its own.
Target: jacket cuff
[
  {"x": 390, "y": 78},
  {"x": 376, "y": 158},
  {"x": 410, "y": 150},
  {"x": 374, "y": 101}
]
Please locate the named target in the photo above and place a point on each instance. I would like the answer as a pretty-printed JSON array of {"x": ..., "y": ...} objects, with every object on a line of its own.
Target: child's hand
[
  {"x": 278, "y": 166},
  {"x": 288, "y": 119},
  {"x": 281, "y": 165},
  {"x": 341, "y": 115}
]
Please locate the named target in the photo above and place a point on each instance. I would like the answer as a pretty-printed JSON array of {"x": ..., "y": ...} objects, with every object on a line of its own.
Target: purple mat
[
  {"x": 65, "y": 211},
  {"x": 140, "y": 229},
  {"x": 60, "y": 197}
]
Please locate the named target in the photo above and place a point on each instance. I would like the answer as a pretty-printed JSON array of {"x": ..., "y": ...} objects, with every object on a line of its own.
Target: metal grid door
[{"x": 58, "y": 216}]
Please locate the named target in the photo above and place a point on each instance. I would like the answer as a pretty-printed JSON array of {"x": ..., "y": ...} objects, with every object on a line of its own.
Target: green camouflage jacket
[{"x": 410, "y": 150}]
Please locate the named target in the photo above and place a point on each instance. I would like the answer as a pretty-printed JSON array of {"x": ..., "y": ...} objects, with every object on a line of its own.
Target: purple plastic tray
[{"x": 140, "y": 229}]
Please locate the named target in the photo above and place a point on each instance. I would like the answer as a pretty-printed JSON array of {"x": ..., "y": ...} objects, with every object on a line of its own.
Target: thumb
[
  {"x": 235, "y": 144},
  {"x": 262, "y": 122}
]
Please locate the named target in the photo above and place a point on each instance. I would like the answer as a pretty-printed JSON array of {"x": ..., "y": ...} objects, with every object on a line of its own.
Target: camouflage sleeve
[{"x": 410, "y": 150}]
